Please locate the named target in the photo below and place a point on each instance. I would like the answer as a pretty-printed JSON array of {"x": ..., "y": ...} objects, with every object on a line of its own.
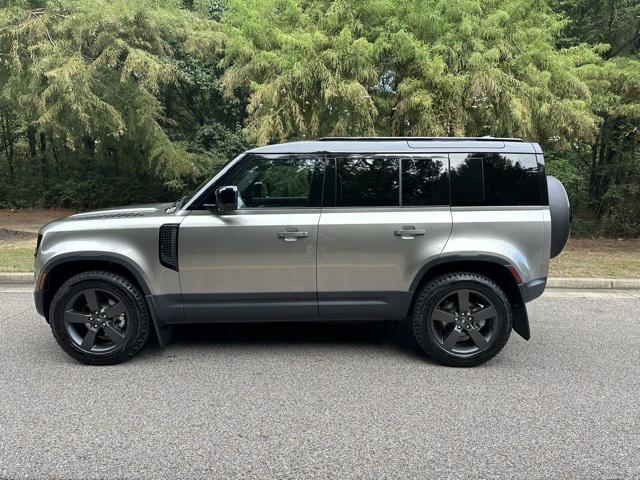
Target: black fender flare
[
  {"x": 163, "y": 332},
  {"x": 518, "y": 304}
]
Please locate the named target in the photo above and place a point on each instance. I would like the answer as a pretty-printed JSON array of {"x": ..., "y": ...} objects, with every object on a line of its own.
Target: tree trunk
[
  {"x": 43, "y": 155},
  {"x": 31, "y": 138},
  {"x": 8, "y": 141}
]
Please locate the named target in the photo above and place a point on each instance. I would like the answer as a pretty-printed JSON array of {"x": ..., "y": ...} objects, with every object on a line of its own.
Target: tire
[
  {"x": 442, "y": 331},
  {"x": 115, "y": 334}
]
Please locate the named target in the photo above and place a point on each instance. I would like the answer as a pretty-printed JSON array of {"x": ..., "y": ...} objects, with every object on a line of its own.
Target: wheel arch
[
  {"x": 495, "y": 268},
  {"x": 60, "y": 269}
]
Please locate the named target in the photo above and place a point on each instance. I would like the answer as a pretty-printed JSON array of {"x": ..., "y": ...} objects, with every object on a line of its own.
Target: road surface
[{"x": 330, "y": 401}]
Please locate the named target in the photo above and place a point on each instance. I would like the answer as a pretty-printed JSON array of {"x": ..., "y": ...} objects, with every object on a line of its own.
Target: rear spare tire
[{"x": 560, "y": 210}]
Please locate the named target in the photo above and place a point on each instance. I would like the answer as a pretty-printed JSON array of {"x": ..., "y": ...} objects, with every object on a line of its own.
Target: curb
[
  {"x": 16, "y": 278},
  {"x": 573, "y": 283},
  {"x": 595, "y": 283}
]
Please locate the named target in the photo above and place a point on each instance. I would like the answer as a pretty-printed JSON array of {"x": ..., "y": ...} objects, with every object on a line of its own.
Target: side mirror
[{"x": 227, "y": 199}]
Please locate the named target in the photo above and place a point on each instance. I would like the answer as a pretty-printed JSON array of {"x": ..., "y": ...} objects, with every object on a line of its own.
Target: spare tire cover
[{"x": 560, "y": 209}]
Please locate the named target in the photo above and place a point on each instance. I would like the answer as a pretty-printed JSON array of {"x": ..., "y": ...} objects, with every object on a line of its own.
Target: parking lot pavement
[{"x": 334, "y": 401}]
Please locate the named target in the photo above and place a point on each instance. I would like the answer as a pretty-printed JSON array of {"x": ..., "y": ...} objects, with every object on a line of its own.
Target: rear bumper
[{"x": 533, "y": 289}]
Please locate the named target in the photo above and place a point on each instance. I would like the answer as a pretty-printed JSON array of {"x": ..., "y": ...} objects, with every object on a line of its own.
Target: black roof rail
[{"x": 422, "y": 139}]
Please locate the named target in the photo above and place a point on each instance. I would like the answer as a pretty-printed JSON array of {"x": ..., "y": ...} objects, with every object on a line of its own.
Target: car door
[
  {"x": 384, "y": 218},
  {"x": 257, "y": 263}
]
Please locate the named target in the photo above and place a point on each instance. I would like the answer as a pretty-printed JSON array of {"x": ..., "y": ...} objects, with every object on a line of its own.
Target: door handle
[
  {"x": 292, "y": 235},
  {"x": 409, "y": 231}
]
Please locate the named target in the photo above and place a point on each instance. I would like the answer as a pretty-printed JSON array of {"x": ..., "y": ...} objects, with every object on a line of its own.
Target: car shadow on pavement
[{"x": 374, "y": 334}]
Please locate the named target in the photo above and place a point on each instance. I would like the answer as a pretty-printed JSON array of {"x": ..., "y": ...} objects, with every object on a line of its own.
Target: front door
[
  {"x": 385, "y": 217},
  {"x": 259, "y": 262}
]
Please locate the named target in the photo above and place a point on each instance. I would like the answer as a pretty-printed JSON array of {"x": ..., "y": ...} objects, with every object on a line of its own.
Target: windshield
[{"x": 187, "y": 198}]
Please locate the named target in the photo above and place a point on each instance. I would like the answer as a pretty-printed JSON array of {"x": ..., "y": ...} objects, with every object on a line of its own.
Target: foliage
[
  {"x": 129, "y": 87},
  {"x": 406, "y": 68},
  {"x": 105, "y": 102}
]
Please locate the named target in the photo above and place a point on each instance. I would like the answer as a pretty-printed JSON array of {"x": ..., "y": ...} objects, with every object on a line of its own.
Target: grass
[
  {"x": 598, "y": 258},
  {"x": 583, "y": 257},
  {"x": 16, "y": 259}
]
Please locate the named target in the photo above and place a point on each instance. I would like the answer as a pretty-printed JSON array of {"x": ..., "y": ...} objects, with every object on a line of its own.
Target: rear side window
[
  {"x": 367, "y": 182},
  {"x": 425, "y": 181},
  {"x": 494, "y": 179},
  {"x": 379, "y": 181}
]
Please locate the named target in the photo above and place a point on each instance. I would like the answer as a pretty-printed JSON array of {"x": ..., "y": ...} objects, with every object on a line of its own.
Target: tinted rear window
[
  {"x": 367, "y": 182},
  {"x": 494, "y": 179},
  {"x": 425, "y": 181},
  {"x": 377, "y": 181}
]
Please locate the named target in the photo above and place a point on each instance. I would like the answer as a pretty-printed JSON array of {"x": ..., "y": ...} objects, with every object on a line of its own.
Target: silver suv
[{"x": 453, "y": 235}]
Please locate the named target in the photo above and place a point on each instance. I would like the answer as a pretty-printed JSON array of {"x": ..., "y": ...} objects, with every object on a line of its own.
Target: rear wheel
[
  {"x": 461, "y": 319},
  {"x": 99, "y": 318}
]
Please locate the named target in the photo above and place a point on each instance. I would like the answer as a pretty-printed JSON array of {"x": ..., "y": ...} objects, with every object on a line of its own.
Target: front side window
[{"x": 287, "y": 182}]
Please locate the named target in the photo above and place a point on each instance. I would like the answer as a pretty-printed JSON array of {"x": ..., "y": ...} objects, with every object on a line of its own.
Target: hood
[
  {"x": 135, "y": 211},
  {"x": 147, "y": 210}
]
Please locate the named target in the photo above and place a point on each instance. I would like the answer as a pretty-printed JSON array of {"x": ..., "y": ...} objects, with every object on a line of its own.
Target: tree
[
  {"x": 608, "y": 167},
  {"x": 87, "y": 74},
  {"x": 406, "y": 68}
]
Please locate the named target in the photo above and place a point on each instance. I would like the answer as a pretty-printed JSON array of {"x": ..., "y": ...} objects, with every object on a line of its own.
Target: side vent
[{"x": 169, "y": 245}]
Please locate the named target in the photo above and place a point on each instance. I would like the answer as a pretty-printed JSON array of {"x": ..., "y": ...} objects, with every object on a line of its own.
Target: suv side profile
[{"x": 453, "y": 235}]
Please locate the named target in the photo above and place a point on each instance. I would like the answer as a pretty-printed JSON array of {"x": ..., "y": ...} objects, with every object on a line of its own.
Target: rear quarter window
[{"x": 494, "y": 179}]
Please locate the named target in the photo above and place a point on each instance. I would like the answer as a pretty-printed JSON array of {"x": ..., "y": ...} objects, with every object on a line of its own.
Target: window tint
[
  {"x": 425, "y": 181},
  {"x": 278, "y": 182},
  {"x": 367, "y": 182},
  {"x": 494, "y": 179}
]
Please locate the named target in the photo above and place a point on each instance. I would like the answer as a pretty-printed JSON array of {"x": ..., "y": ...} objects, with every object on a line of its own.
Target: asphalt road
[{"x": 303, "y": 401}]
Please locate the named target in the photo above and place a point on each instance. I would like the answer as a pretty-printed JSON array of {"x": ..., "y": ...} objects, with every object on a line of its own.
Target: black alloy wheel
[
  {"x": 463, "y": 322},
  {"x": 96, "y": 320}
]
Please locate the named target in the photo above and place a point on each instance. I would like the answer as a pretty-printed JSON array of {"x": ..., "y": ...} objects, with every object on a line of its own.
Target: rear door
[{"x": 383, "y": 218}]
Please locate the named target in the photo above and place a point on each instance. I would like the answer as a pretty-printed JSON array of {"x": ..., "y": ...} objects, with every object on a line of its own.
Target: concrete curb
[
  {"x": 595, "y": 283},
  {"x": 7, "y": 278},
  {"x": 16, "y": 278}
]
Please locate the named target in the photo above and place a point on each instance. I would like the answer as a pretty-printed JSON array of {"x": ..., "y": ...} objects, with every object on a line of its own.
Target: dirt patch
[
  {"x": 30, "y": 219},
  {"x": 7, "y": 235}
]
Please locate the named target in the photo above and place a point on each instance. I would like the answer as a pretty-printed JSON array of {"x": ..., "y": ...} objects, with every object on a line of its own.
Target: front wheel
[
  {"x": 461, "y": 319},
  {"x": 99, "y": 318}
]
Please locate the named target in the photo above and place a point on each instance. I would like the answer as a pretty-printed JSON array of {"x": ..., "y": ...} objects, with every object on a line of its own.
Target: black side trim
[
  {"x": 279, "y": 307},
  {"x": 364, "y": 305},
  {"x": 168, "y": 246},
  {"x": 250, "y": 307}
]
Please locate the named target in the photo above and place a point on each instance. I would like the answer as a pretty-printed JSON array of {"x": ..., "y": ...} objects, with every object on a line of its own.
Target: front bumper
[{"x": 38, "y": 297}]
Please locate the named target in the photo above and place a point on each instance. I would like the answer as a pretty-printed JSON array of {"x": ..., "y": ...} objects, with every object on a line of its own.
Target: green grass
[{"x": 16, "y": 259}]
